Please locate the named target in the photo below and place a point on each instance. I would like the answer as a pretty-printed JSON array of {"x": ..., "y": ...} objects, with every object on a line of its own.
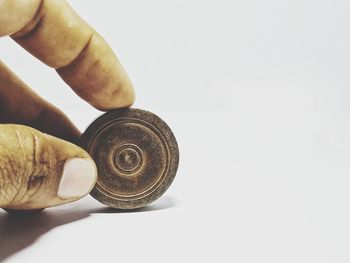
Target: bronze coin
[{"x": 136, "y": 155}]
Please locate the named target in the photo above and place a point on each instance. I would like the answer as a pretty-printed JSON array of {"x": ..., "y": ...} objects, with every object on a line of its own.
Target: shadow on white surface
[
  {"x": 20, "y": 231},
  {"x": 163, "y": 203}
]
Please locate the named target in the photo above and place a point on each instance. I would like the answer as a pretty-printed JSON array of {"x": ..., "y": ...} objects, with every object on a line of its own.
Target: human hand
[{"x": 38, "y": 170}]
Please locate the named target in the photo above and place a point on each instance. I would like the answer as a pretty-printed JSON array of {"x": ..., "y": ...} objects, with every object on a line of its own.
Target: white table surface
[{"x": 252, "y": 187}]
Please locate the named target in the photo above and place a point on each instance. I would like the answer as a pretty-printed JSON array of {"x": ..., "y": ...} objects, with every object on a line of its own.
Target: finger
[
  {"x": 19, "y": 104},
  {"x": 38, "y": 170},
  {"x": 60, "y": 38}
]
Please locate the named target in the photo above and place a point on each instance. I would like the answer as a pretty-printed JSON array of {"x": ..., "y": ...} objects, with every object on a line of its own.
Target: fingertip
[
  {"x": 123, "y": 97},
  {"x": 79, "y": 176},
  {"x": 97, "y": 77}
]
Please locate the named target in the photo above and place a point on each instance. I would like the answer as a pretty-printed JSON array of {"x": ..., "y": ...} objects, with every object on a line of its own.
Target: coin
[{"x": 136, "y": 155}]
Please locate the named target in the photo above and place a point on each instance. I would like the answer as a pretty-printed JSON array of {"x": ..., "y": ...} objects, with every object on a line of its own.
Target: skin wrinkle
[
  {"x": 80, "y": 54},
  {"x": 35, "y": 149},
  {"x": 18, "y": 192},
  {"x": 6, "y": 169},
  {"x": 32, "y": 24},
  {"x": 24, "y": 157},
  {"x": 15, "y": 14},
  {"x": 38, "y": 175},
  {"x": 8, "y": 154},
  {"x": 11, "y": 165},
  {"x": 32, "y": 166},
  {"x": 5, "y": 174},
  {"x": 33, "y": 183},
  {"x": 20, "y": 142},
  {"x": 2, "y": 179},
  {"x": 39, "y": 165},
  {"x": 20, "y": 173},
  {"x": 51, "y": 166},
  {"x": 32, "y": 31},
  {"x": 26, "y": 183},
  {"x": 60, "y": 46}
]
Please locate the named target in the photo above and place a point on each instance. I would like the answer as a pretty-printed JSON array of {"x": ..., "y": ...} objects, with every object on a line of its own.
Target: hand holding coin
[{"x": 40, "y": 166}]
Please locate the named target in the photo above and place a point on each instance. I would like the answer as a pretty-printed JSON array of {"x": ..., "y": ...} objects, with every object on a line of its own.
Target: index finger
[{"x": 54, "y": 33}]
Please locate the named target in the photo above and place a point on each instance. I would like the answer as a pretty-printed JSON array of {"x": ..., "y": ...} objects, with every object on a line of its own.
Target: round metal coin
[{"x": 136, "y": 155}]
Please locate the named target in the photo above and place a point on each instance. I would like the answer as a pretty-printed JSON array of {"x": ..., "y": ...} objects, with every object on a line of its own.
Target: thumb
[{"x": 38, "y": 170}]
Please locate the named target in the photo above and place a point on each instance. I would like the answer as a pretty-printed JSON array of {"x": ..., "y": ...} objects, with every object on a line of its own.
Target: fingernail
[{"x": 78, "y": 178}]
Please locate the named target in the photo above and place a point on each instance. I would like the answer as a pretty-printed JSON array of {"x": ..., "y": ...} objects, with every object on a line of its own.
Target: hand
[{"x": 38, "y": 170}]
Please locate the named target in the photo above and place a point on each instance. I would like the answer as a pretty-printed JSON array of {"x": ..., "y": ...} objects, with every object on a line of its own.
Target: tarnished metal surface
[{"x": 136, "y": 156}]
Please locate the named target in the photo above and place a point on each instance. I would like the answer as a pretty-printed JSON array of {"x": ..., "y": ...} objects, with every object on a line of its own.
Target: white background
[{"x": 257, "y": 93}]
